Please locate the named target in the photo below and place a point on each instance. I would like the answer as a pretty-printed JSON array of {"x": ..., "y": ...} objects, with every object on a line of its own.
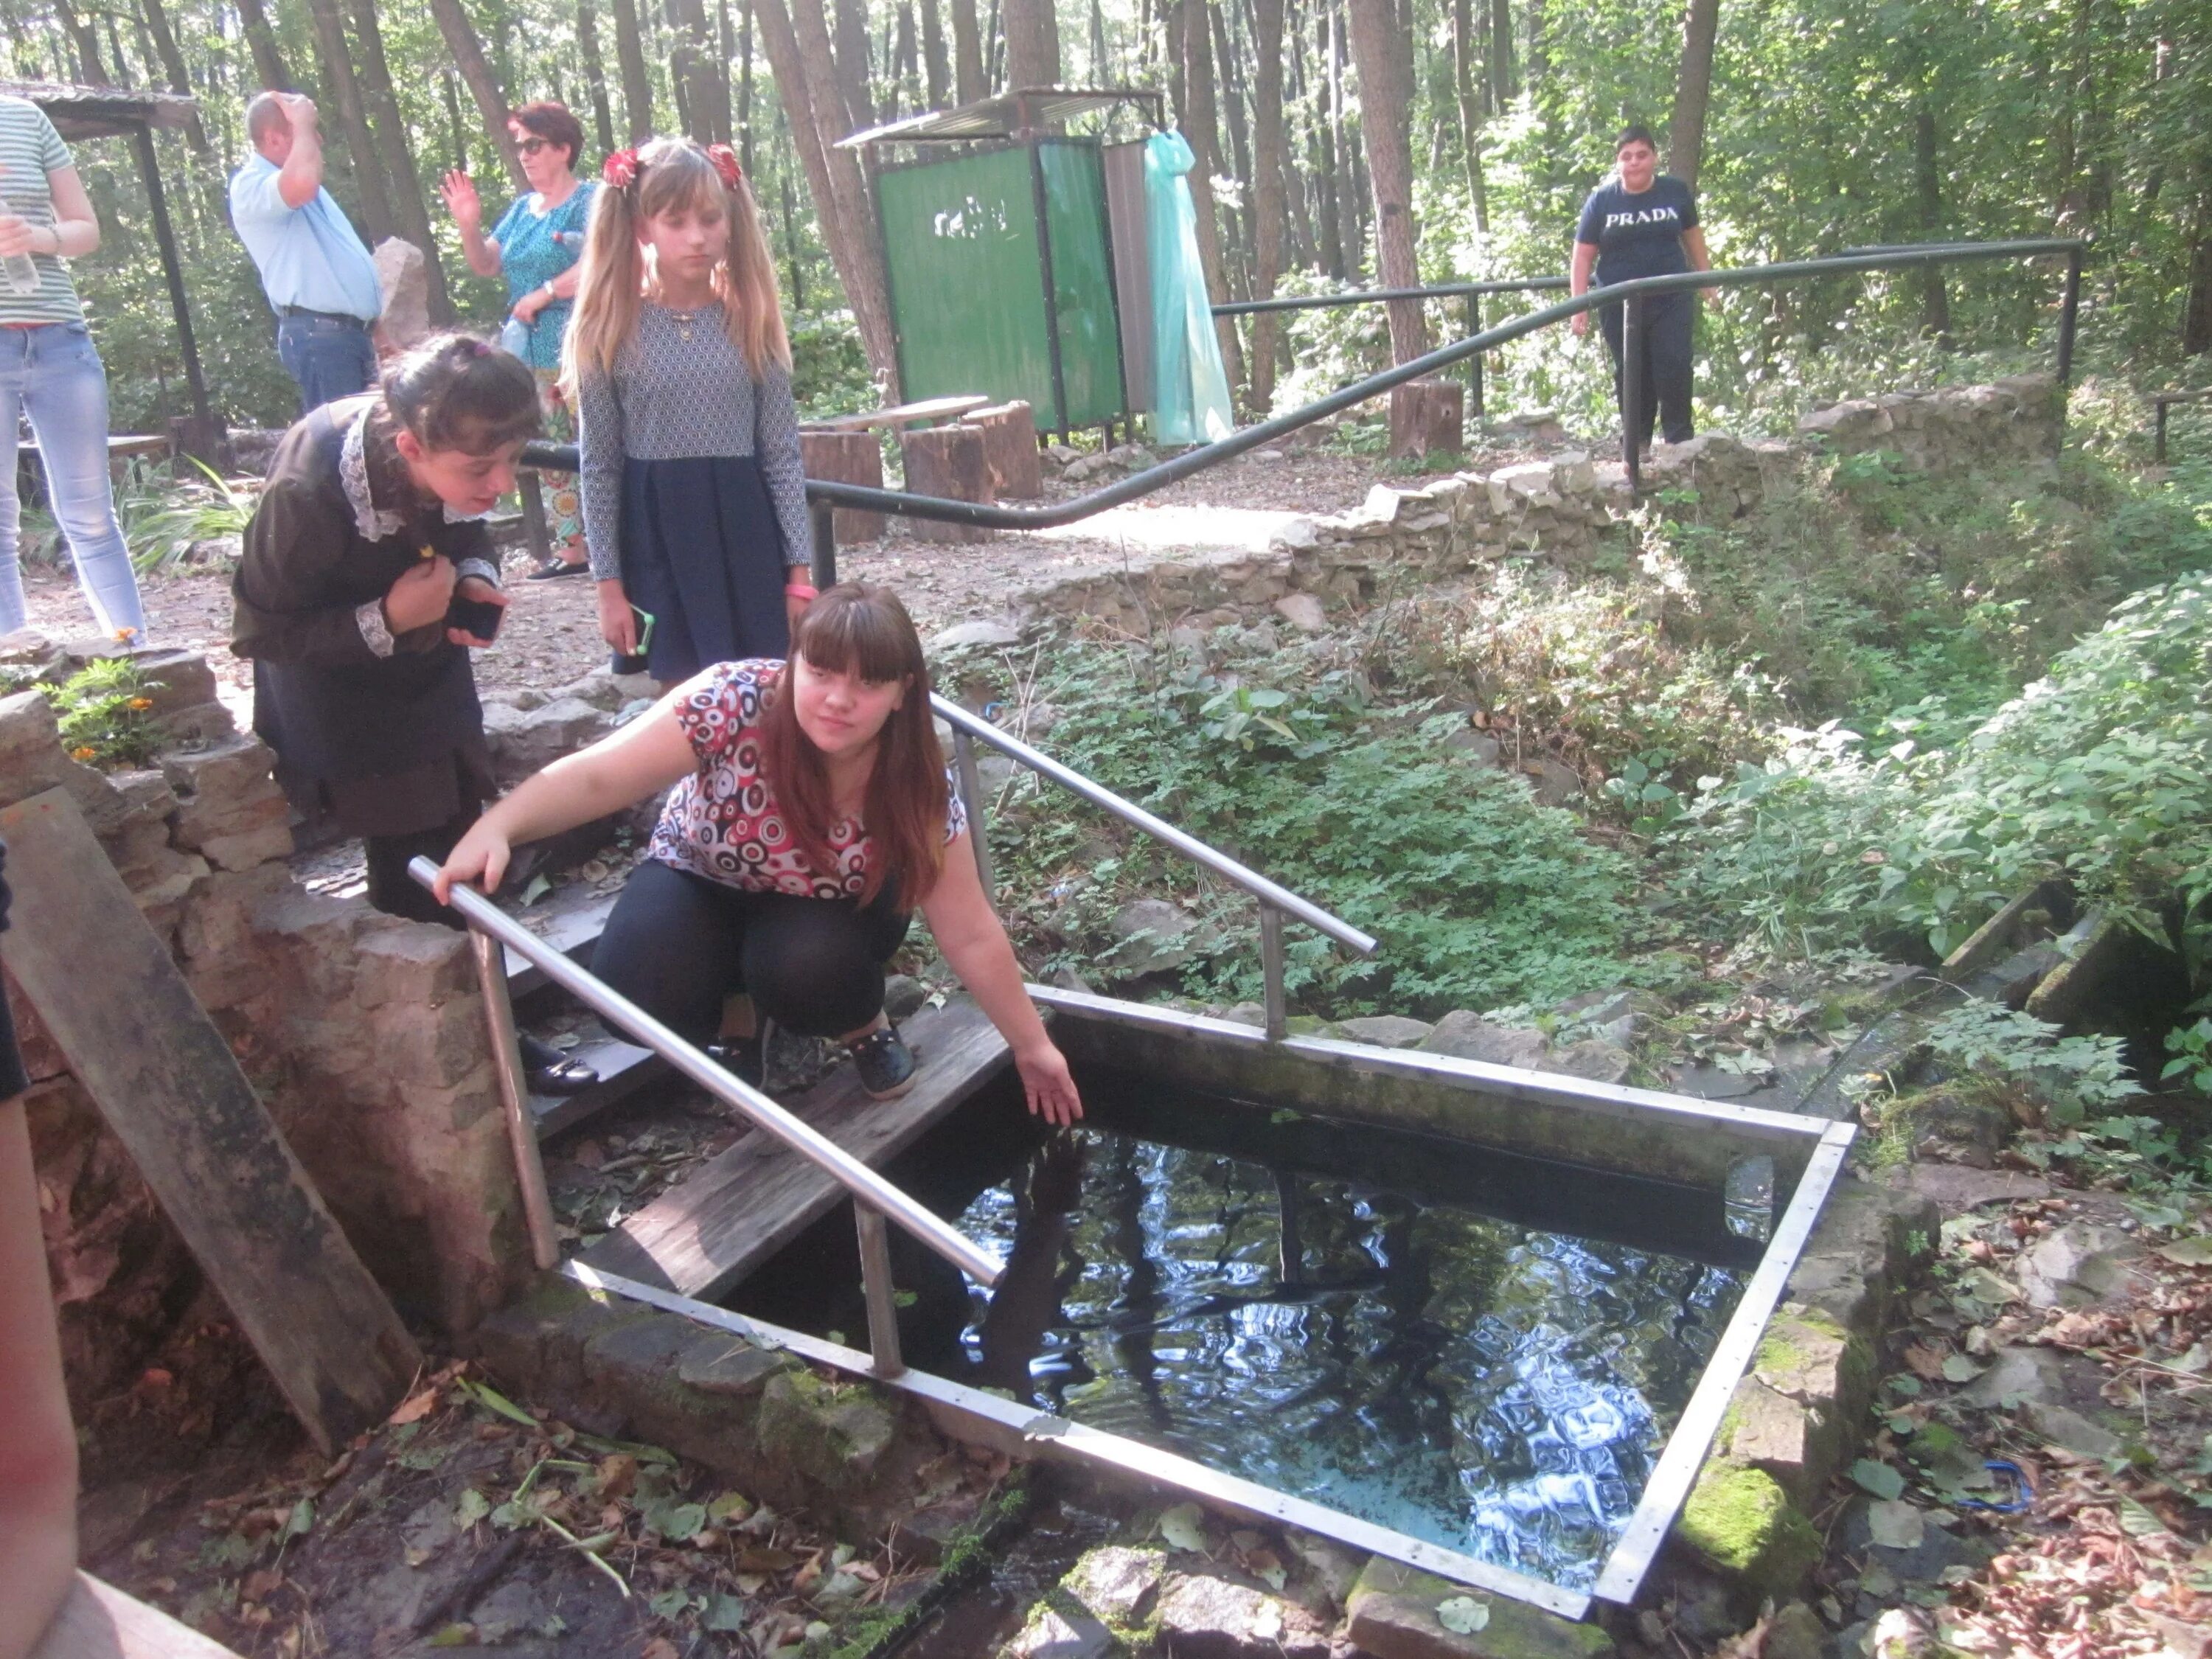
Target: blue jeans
[
  {"x": 53, "y": 373},
  {"x": 331, "y": 360}
]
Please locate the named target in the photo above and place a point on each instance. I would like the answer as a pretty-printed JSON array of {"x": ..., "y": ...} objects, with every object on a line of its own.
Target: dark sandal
[
  {"x": 554, "y": 569},
  {"x": 884, "y": 1064},
  {"x": 550, "y": 1071}
]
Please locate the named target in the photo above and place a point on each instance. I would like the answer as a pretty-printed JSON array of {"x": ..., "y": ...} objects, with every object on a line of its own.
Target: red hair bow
[
  {"x": 620, "y": 169},
  {"x": 725, "y": 163}
]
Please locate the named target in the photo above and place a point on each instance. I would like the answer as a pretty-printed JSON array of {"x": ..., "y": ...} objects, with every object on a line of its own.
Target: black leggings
[
  {"x": 1667, "y": 361},
  {"x": 395, "y": 892},
  {"x": 677, "y": 943}
]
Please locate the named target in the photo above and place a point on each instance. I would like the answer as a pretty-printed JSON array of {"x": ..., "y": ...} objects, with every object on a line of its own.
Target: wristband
[{"x": 800, "y": 591}]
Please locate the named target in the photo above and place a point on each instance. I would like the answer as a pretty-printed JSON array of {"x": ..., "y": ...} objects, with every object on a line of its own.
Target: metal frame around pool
[{"x": 971, "y": 1413}]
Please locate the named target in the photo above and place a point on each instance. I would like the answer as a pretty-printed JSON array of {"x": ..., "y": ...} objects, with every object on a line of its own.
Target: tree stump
[
  {"x": 853, "y": 458},
  {"x": 1010, "y": 450},
  {"x": 1427, "y": 418},
  {"x": 946, "y": 461}
]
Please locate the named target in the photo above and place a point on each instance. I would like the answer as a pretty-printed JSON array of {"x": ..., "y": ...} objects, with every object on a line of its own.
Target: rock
[
  {"x": 1393, "y": 1616},
  {"x": 1478, "y": 747},
  {"x": 729, "y": 1366},
  {"x": 2081, "y": 1264},
  {"x": 1116, "y": 1583},
  {"x": 835, "y": 1433},
  {"x": 228, "y": 805},
  {"x": 1704, "y": 1082},
  {"x": 1594, "y": 1058},
  {"x": 1741, "y": 1521},
  {"x": 526, "y": 741},
  {"x": 1924, "y": 1561},
  {"x": 1248, "y": 1013},
  {"x": 975, "y": 633},
  {"x": 1554, "y": 782},
  {"x": 1303, "y": 611},
  {"x": 1794, "y": 1441},
  {"x": 2062, "y": 1426},
  {"x": 1385, "y": 1031},
  {"x": 1958, "y": 1188},
  {"x": 1334, "y": 1566},
  {"x": 1155, "y": 936},
  {"x": 1795, "y": 1632},
  {"x": 1203, "y": 1617},
  {"x": 903, "y": 995},
  {"x": 1901, "y": 1633},
  {"x": 2017, "y": 1376},
  {"x": 1466, "y": 1035},
  {"x": 1052, "y": 1634}
]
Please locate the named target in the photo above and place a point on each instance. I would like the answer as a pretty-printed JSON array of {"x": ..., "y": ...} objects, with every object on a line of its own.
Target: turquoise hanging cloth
[{"x": 1191, "y": 389}]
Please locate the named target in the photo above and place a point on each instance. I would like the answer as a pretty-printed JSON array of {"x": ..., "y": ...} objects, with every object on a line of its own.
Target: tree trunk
[
  {"x": 1100, "y": 75},
  {"x": 1502, "y": 89},
  {"x": 1269, "y": 164},
  {"x": 936, "y": 65},
  {"x": 172, "y": 67},
  {"x": 1240, "y": 133},
  {"x": 1198, "y": 128},
  {"x": 83, "y": 33},
  {"x": 1032, "y": 44},
  {"x": 1693, "y": 85},
  {"x": 461, "y": 40},
  {"x": 410, "y": 212},
  {"x": 706, "y": 88},
  {"x": 268, "y": 57},
  {"x": 595, "y": 75},
  {"x": 1534, "y": 62},
  {"x": 1470, "y": 119},
  {"x": 968, "y": 82},
  {"x": 2196, "y": 309},
  {"x": 637, "y": 86},
  {"x": 337, "y": 55},
  {"x": 850, "y": 57},
  {"x": 1336, "y": 210},
  {"x": 799, "y": 56},
  {"x": 798, "y": 272},
  {"x": 907, "y": 56},
  {"x": 1935, "y": 299},
  {"x": 745, "y": 86},
  {"x": 1385, "y": 111},
  {"x": 457, "y": 130}
]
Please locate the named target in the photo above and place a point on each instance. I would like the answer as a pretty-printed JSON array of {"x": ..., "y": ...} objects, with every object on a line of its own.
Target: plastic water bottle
[{"x": 21, "y": 275}]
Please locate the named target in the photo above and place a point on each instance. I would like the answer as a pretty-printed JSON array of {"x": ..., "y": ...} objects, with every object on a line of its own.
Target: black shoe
[
  {"x": 884, "y": 1063},
  {"x": 554, "y": 569},
  {"x": 550, "y": 1071}
]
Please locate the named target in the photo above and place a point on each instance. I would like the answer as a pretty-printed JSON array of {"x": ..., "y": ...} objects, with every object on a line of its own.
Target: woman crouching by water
[{"x": 811, "y": 815}]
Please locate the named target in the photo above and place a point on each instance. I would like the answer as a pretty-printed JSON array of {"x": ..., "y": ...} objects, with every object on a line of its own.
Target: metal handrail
[
  {"x": 1371, "y": 296},
  {"x": 874, "y": 1198},
  {"x": 825, "y": 493},
  {"x": 1275, "y": 901}
]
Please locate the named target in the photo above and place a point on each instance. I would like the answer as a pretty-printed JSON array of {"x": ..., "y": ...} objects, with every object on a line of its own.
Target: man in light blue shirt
[{"x": 316, "y": 271}]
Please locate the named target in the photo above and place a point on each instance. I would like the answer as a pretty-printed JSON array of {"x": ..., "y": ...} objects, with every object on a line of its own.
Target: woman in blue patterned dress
[{"x": 537, "y": 246}]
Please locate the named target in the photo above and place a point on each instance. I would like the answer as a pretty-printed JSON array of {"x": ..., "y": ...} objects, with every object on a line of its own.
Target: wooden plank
[
  {"x": 99, "y": 1621},
  {"x": 624, "y": 1069},
  {"x": 710, "y": 1230},
  {"x": 166, "y": 1082},
  {"x": 929, "y": 409},
  {"x": 572, "y": 933}
]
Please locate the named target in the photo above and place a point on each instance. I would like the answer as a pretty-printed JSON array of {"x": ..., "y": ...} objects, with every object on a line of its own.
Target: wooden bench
[
  {"x": 927, "y": 412},
  {"x": 123, "y": 448}
]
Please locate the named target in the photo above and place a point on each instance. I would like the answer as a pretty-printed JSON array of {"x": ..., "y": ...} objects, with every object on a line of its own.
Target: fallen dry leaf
[{"x": 414, "y": 1408}]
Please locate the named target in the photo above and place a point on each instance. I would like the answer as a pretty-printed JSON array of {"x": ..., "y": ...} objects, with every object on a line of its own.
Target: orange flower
[
  {"x": 126, "y": 634},
  {"x": 85, "y": 753},
  {"x": 142, "y": 703}
]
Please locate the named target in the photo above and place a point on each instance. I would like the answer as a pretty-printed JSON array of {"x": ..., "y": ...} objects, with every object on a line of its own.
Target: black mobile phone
[
  {"x": 620, "y": 664},
  {"x": 479, "y": 617}
]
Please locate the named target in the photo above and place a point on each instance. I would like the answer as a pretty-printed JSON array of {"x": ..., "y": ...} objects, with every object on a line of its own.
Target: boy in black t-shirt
[{"x": 1642, "y": 223}]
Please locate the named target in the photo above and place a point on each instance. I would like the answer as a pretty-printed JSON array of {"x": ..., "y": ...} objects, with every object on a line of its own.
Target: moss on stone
[{"x": 1742, "y": 1521}]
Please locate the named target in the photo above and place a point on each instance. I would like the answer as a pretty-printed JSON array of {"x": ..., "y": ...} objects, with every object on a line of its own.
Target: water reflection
[{"x": 1486, "y": 1385}]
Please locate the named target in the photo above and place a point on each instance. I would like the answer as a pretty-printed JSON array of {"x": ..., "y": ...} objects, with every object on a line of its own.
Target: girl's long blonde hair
[{"x": 672, "y": 175}]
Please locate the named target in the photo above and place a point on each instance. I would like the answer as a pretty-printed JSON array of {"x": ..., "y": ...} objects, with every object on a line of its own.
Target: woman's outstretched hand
[
  {"x": 479, "y": 860},
  {"x": 1047, "y": 1085},
  {"x": 461, "y": 200}
]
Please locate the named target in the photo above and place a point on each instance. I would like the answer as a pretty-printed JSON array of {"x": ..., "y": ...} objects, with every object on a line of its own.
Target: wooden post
[
  {"x": 945, "y": 461},
  {"x": 1010, "y": 450},
  {"x": 165, "y": 1081},
  {"x": 853, "y": 458},
  {"x": 1427, "y": 418}
]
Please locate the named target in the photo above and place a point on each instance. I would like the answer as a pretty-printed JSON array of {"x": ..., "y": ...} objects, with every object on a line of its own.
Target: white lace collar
[{"x": 374, "y": 523}]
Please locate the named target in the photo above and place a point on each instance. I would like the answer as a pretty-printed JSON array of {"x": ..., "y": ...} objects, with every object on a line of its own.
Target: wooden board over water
[{"x": 709, "y": 1230}]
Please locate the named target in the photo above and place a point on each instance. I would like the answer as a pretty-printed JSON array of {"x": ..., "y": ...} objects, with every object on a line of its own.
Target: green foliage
[
  {"x": 1481, "y": 896},
  {"x": 2075, "y": 1076},
  {"x": 829, "y": 370},
  {"x": 2192, "y": 1048},
  {"x": 104, "y": 715},
  {"x": 162, "y": 532}
]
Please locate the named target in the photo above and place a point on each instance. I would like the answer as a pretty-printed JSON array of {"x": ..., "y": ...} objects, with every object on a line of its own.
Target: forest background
[{"x": 1341, "y": 143}]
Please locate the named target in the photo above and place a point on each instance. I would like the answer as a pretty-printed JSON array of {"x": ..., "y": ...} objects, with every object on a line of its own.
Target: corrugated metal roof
[{"x": 1002, "y": 116}]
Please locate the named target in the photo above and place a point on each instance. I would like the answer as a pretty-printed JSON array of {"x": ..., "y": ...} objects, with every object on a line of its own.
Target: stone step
[
  {"x": 716, "y": 1226},
  {"x": 624, "y": 1069},
  {"x": 572, "y": 932}
]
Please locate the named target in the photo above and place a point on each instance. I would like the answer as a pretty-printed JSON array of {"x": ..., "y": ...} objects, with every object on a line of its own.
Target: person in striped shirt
[{"x": 51, "y": 370}]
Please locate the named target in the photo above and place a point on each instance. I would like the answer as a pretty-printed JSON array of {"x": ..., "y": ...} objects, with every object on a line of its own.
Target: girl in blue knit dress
[{"x": 694, "y": 498}]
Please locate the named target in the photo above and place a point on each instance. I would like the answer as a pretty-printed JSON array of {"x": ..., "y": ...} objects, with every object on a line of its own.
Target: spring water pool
[{"x": 1482, "y": 1350}]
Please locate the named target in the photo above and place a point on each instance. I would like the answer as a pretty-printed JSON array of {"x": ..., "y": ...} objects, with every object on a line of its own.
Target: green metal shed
[{"x": 1002, "y": 260}]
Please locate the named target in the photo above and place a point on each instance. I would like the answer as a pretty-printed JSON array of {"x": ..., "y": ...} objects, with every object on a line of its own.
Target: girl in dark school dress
[
  {"x": 695, "y": 498},
  {"x": 353, "y": 600}
]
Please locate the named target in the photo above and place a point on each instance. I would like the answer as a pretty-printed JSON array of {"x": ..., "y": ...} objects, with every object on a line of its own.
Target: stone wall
[
  {"x": 364, "y": 1034},
  {"x": 1556, "y": 509}
]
